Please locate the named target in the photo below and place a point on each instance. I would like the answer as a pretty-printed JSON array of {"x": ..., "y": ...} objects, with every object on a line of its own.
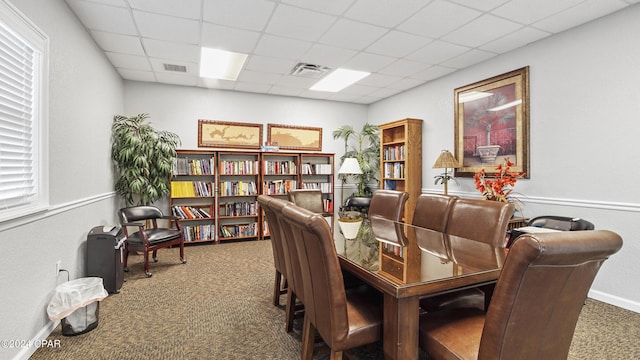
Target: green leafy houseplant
[
  {"x": 363, "y": 145},
  {"x": 143, "y": 157}
]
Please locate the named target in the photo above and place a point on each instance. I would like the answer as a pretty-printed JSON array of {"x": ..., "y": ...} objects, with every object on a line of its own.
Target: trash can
[
  {"x": 105, "y": 254},
  {"x": 76, "y": 304}
]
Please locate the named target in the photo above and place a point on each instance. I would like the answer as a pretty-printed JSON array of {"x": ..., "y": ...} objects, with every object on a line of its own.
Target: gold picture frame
[
  {"x": 291, "y": 137},
  {"x": 227, "y": 134},
  {"x": 492, "y": 122}
]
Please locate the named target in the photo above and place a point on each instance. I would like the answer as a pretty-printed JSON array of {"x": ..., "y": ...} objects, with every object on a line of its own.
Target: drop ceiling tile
[
  {"x": 137, "y": 75},
  {"x": 369, "y": 62},
  {"x": 437, "y": 52},
  {"x": 385, "y": 92},
  {"x": 177, "y": 79},
  {"x": 379, "y": 80},
  {"x": 162, "y": 27},
  {"x": 404, "y": 68},
  {"x": 226, "y": 38},
  {"x": 469, "y": 58},
  {"x": 183, "y": 8},
  {"x": 484, "y": 5},
  {"x": 397, "y": 44},
  {"x": 102, "y": 17},
  {"x": 258, "y": 77},
  {"x": 125, "y": 44},
  {"x": 432, "y": 73},
  {"x": 366, "y": 100},
  {"x": 319, "y": 95},
  {"x": 327, "y": 56},
  {"x": 579, "y": 14},
  {"x": 121, "y": 3},
  {"x": 344, "y": 97},
  {"x": 438, "y": 19},
  {"x": 481, "y": 31},
  {"x": 527, "y": 11},
  {"x": 298, "y": 23},
  {"x": 171, "y": 50},
  {"x": 284, "y": 91},
  {"x": 334, "y": 7},
  {"x": 276, "y": 46},
  {"x": 384, "y": 12},
  {"x": 270, "y": 64},
  {"x": 243, "y": 14},
  {"x": 515, "y": 40},
  {"x": 352, "y": 34},
  {"x": 131, "y": 62},
  {"x": 257, "y": 88},
  {"x": 405, "y": 84},
  {"x": 298, "y": 82}
]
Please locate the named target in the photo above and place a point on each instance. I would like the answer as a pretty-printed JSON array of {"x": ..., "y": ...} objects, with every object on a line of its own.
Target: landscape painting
[
  {"x": 229, "y": 134},
  {"x": 290, "y": 137}
]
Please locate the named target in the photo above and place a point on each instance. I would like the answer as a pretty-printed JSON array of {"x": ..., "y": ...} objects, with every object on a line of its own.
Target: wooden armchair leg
[
  {"x": 277, "y": 285},
  {"x": 146, "y": 264},
  {"x": 290, "y": 309}
]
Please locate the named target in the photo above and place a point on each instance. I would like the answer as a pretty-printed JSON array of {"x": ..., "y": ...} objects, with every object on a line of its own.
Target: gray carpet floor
[{"x": 218, "y": 306}]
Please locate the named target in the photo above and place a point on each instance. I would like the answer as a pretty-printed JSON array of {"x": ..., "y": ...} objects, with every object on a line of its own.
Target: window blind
[{"x": 18, "y": 171}]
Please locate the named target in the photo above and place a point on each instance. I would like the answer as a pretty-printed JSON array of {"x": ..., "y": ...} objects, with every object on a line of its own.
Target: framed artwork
[
  {"x": 229, "y": 134},
  {"x": 290, "y": 137},
  {"x": 492, "y": 122}
]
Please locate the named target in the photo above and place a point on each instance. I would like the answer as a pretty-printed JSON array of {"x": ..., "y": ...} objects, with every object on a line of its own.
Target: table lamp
[{"x": 445, "y": 161}]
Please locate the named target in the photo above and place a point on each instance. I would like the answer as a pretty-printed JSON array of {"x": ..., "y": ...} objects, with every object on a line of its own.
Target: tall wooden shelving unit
[
  {"x": 192, "y": 194},
  {"x": 238, "y": 190},
  {"x": 215, "y": 192},
  {"x": 401, "y": 167}
]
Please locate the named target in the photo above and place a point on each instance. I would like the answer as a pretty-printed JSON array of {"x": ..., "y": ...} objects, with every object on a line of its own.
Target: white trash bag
[{"x": 75, "y": 303}]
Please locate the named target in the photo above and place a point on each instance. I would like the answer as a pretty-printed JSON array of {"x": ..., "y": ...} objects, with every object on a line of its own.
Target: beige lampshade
[
  {"x": 446, "y": 161},
  {"x": 350, "y": 166}
]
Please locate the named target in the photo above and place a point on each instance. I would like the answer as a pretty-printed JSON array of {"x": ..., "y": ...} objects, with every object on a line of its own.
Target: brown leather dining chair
[
  {"x": 295, "y": 292},
  {"x": 433, "y": 210},
  {"x": 310, "y": 199},
  {"x": 280, "y": 281},
  {"x": 535, "y": 306},
  {"x": 385, "y": 214},
  {"x": 481, "y": 220},
  {"x": 149, "y": 239},
  {"x": 345, "y": 319}
]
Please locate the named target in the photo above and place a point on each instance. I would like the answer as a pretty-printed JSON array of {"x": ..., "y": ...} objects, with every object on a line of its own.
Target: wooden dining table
[{"x": 432, "y": 262}]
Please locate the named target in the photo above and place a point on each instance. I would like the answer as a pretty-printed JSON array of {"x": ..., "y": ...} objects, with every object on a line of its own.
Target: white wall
[
  {"x": 84, "y": 94},
  {"x": 178, "y": 108},
  {"x": 585, "y": 101}
]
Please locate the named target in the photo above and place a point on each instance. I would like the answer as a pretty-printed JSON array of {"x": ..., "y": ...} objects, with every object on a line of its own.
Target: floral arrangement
[{"x": 501, "y": 185}]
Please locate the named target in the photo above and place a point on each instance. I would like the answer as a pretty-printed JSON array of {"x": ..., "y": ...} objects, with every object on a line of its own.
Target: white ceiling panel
[
  {"x": 289, "y": 21},
  {"x": 190, "y": 9},
  {"x": 163, "y": 27},
  {"x": 438, "y": 19},
  {"x": 403, "y": 43}
]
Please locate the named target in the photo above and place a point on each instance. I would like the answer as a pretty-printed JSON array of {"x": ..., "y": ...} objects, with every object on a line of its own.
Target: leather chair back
[
  {"x": 136, "y": 213},
  {"x": 480, "y": 220},
  {"x": 433, "y": 210},
  {"x": 386, "y": 209},
  {"x": 310, "y": 199},
  {"x": 540, "y": 293},
  {"x": 289, "y": 243},
  {"x": 324, "y": 287},
  {"x": 275, "y": 234}
]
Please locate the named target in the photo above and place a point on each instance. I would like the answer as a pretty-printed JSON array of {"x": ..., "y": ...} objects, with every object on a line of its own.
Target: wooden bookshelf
[{"x": 401, "y": 169}]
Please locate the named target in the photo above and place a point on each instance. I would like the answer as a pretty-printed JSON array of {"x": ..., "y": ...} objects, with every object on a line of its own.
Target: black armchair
[{"x": 152, "y": 238}]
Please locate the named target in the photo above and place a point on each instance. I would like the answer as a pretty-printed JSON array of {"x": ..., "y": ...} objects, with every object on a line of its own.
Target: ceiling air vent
[
  {"x": 173, "y": 67},
  {"x": 309, "y": 70}
]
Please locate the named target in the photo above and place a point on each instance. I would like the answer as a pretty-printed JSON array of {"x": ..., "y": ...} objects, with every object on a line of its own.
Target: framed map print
[
  {"x": 229, "y": 134},
  {"x": 290, "y": 137}
]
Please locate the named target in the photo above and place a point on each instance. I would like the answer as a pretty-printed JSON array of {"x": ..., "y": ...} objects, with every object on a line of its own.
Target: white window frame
[{"x": 11, "y": 18}]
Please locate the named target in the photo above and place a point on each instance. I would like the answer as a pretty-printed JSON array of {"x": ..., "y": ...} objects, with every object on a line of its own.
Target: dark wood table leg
[{"x": 400, "y": 328}]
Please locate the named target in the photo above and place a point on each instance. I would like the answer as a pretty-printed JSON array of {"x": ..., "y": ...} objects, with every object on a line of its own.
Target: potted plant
[
  {"x": 143, "y": 157},
  {"x": 363, "y": 145}
]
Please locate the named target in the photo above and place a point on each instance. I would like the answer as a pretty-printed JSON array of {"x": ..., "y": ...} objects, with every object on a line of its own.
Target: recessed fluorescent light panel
[
  {"x": 220, "y": 64},
  {"x": 339, "y": 79}
]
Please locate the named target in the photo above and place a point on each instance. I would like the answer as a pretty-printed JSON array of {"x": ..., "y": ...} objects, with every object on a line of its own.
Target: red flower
[{"x": 501, "y": 185}]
